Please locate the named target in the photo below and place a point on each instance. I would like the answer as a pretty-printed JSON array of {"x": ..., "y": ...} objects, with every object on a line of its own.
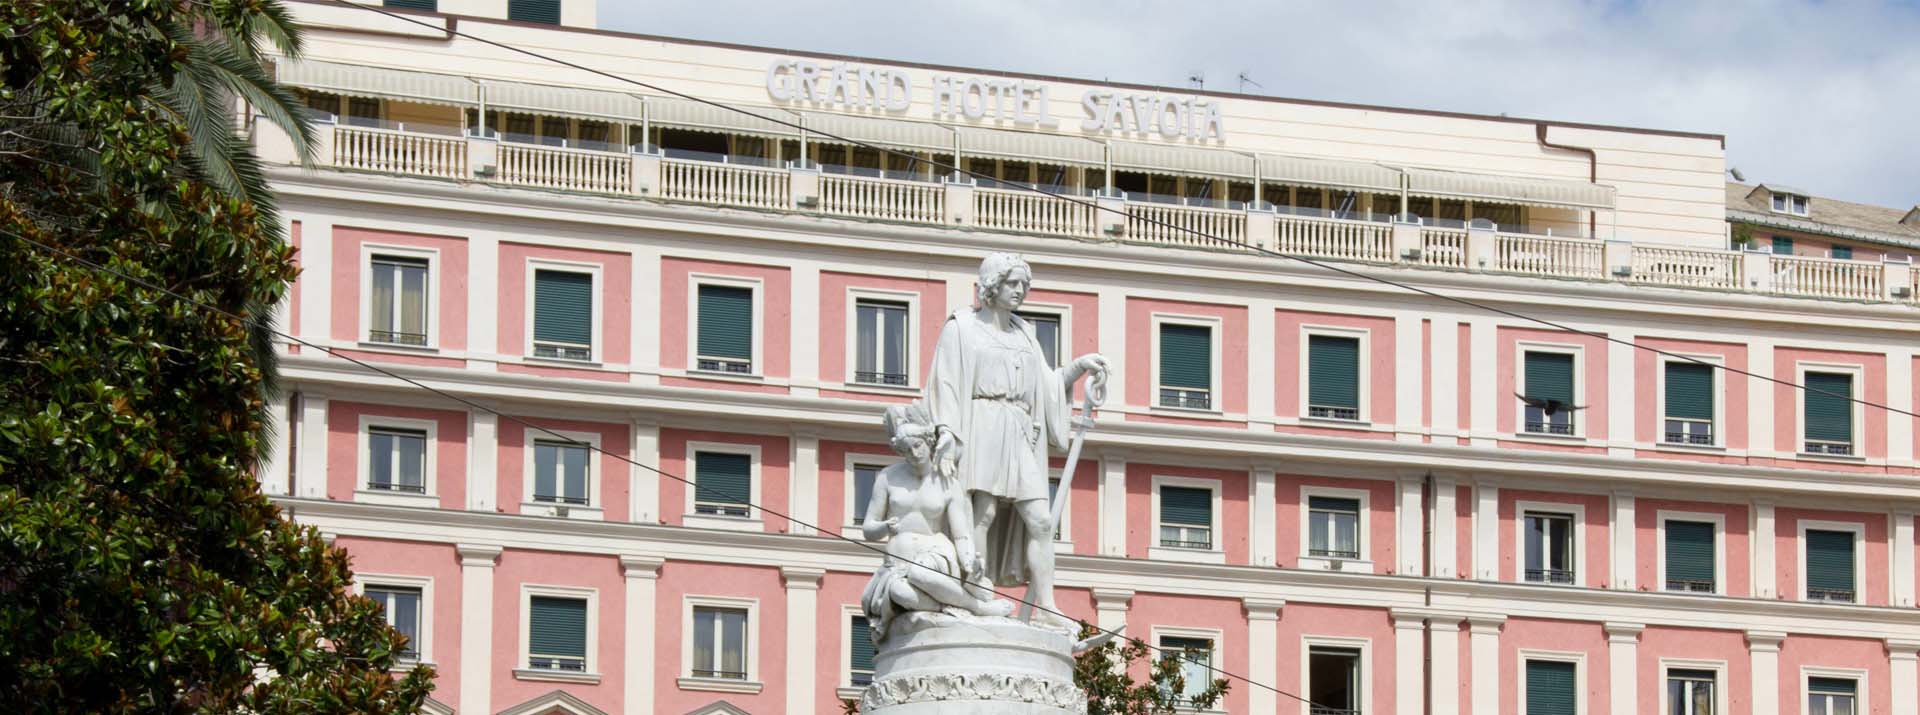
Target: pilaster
[
  {"x": 1760, "y": 398},
  {"x": 644, "y": 496},
  {"x": 1113, "y": 504},
  {"x": 1903, "y": 660},
  {"x": 476, "y": 626},
  {"x": 1444, "y": 632},
  {"x": 1446, "y": 530},
  {"x": 483, "y": 460},
  {"x": 645, "y": 335},
  {"x": 1483, "y": 369},
  {"x": 1623, "y": 532},
  {"x": 1764, "y": 578},
  {"x": 642, "y": 577},
  {"x": 1903, "y": 564},
  {"x": 1263, "y": 652},
  {"x": 309, "y": 479},
  {"x": 1486, "y": 530},
  {"x": 1485, "y": 651},
  {"x": 1110, "y": 607},
  {"x": 1113, "y": 343},
  {"x": 804, "y": 471},
  {"x": 1263, "y": 533},
  {"x": 274, "y": 465},
  {"x": 1623, "y": 646},
  {"x": 1410, "y": 518},
  {"x": 1261, "y": 410},
  {"x": 1444, "y": 393},
  {"x": 805, "y": 354},
  {"x": 316, "y": 271},
  {"x": 483, "y": 300},
  {"x": 1620, "y": 394},
  {"x": 1408, "y": 657},
  {"x": 1763, "y": 655},
  {"x": 803, "y": 600},
  {"x": 1900, "y": 399}
]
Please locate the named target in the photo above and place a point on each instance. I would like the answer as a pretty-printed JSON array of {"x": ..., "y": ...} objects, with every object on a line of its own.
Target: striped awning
[
  {"x": 1509, "y": 189},
  {"x": 565, "y": 101},
  {"x": 1183, "y": 160},
  {"x": 880, "y": 130},
  {"x": 688, "y": 114},
  {"x": 1032, "y": 146},
  {"x": 380, "y": 82},
  {"x": 1358, "y": 175}
]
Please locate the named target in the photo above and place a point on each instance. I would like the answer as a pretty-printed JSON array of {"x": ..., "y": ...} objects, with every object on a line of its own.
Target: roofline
[
  {"x": 1721, "y": 138},
  {"x": 1822, "y": 228}
]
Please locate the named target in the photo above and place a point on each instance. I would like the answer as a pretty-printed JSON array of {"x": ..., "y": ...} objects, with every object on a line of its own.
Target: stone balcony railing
[{"x": 1481, "y": 248}]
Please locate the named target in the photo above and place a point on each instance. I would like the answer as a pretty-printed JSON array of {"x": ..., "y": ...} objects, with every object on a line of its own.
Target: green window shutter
[
  {"x": 1782, "y": 246},
  {"x": 563, "y": 307},
  {"x": 1843, "y": 253},
  {"x": 726, "y": 322},
  {"x": 427, "y": 5},
  {"x": 1351, "y": 506},
  {"x": 1186, "y": 357},
  {"x": 1333, "y": 371},
  {"x": 557, "y": 627},
  {"x": 1186, "y": 505},
  {"x": 1551, "y": 688},
  {"x": 1689, "y": 391},
  {"x": 1835, "y": 686},
  {"x": 1829, "y": 416},
  {"x": 721, "y": 478},
  {"x": 1550, "y": 376},
  {"x": 541, "y": 11},
  {"x": 861, "y": 659},
  {"x": 1690, "y": 551},
  {"x": 1830, "y": 560}
]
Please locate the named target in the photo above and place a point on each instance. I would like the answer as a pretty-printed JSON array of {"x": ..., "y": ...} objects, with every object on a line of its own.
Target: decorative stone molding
[
  {"x": 484, "y": 555},
  {"x": 1262, "y": 609},
  {"x": 802, "y": 578},
  {"x": 1765, "y": 641},
  {"x": 1485, "y": 625},
  {"x": 1903, "y": 649},
  {"x": 641, "y": 566},
  {"x": 1624, "y": 632},
  {"x": 950, "y": 687},
  {"x": 1112, "y": 599}
]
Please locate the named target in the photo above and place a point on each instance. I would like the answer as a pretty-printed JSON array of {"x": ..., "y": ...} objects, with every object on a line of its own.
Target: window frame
[
  {"x": 1859, "y": 531},
  {"x": 524, "y": 669},
  {"x": 1579, "y": 353},
  {"x": 856, "y": 294},
  {"x": 362, "y": 492},
  {"x": 687, "y": 680},
  {"x": 1216, "y": 329},
  {"x": 756, "y": 361},
  {"x": 1717, "y": 667},
  {"x": 1362, "y": 540},
  {"x": 855, "y": 509},
  {"x": 1216, "y": 553},
  {"x": 422, "y": 646},
  {"x": 1578, "y": 534},
  {"x": 593, "y": 510},
  {"x": 1310, "y": 641},
  {"x": 1579, "y": 661},
  {"x": 1214, "y": 636},
  {"x": 1783, "y": 202},
  {"x": 1061, "y": 313},
  {"x": 1857, "y": 675},
  {"x": 1857, "y": 444},
  {"x": 371, "y": 249},
  {"x": 847, "y": 613},
  {"x": 1365, "y": 392},
  {"x": 1719, "y": 521},
  {"x": 596, "y": 324},
  {"x": 750, "y": 522},
  {"x": 1063, "y": 538},
  {"x": 1717, "y": 426}
]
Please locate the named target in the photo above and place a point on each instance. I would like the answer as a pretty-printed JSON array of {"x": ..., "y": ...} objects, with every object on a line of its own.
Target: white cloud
[{"x": 1820, "y": 95}]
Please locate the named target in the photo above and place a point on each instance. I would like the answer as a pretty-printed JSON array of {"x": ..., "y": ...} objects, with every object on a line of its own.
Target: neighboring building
[
  {"x": 1336, "y": 487},
  {"x": 1789, "y": 221}
]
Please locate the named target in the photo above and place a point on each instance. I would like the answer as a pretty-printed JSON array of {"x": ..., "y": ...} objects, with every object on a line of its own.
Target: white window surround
[
  {"x": 1215, "y": 555},
  {"x": 432, "y": 256},
  {"x": 1579, "y": 512},
  {"x": 1859, "y": 373},
  {"x": 1362, "y": 539},
  {"x": 1365, "y": 336},
  {"x": 423, "y": 646},
  {"x": 912, "y": 300},
  {"x": 1215, "y": 326},
  {"x": 1064, "y": 313},
  {"x": 1580, "y": 418},
  {"x": 599, "y": 334},
  {"x": 1785, "y": 203},
  {"x": 522, "y": 671},
  {"x": 431, "y": 498},
  {"x": 1213, "y": 635},
  {"x": 1719, "y": 521},
  {"x": 751, "y": 522},
  {"x": 1579, "y": 661},
  {"x": 752, "y": 684},
  {"x": 1719, "y": 401},
  {"x": 1720, "y": 684},
  {"x": 846, "y": 690},
  {"x": 753, "y": 283},
  {"x": 1859, "y": 531},
  {"x": 593, "y": 510},
  {"x": 1857, "y": 675},
  {"x": 1364, "y": 645}
]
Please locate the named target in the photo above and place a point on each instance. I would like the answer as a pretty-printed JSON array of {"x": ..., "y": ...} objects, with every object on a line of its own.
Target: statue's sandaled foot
[
  {"x": 998, "y": 607},
  {"x": 1054, "y": 621}
]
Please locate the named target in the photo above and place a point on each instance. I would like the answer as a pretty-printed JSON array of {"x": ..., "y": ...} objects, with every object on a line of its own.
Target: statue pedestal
[{"x": 973, "y": 666}]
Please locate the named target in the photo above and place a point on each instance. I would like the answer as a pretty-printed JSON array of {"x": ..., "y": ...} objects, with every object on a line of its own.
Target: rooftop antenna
[
  {"x": 1198, "y": 79},
  {"x": 1245, "y": 80}
]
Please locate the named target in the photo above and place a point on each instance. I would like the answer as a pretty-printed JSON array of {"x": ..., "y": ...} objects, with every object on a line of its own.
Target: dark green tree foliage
[
  {"x": 140, "y": 568},
  {"x": 1106, "y": 674}
]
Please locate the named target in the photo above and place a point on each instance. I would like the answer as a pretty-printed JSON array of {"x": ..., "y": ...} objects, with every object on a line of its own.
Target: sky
[{"x": 1823, "y": 96}]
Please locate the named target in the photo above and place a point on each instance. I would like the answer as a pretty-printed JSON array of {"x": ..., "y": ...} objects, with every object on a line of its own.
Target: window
[
  {"x": 546, "y": 12},
  {"x": 1691, "y": 564},
  {"x": 1549, "y": 393},
  {"x": 1549, "y": 546},
  {"x": 719, "y": 643},
  {"x": 557, "y": 633},
  {"x": 563, "y": 314},
  {"x": 1844, "y": 253},
  {"x": 1045, "y": 328},
  {"x": 1831, "y": 696},
  {"x": 400, "y": 606},
  {"x": 1552, "y": 688},
  {"x": 560, "y": 472},
  {"x": 1689, "y": 395},
  {"x": 1829, "y": 565},
  {"x": 397, "y": 460},
  {"x": 1186, "y": 517},
  {"x": 1782, "y": 246},
  {"x": 860, "y": 653},
  {"x": 1333, "y": 527},
  {"x": 1053, "y": 494},
  {"x": 1196, "y": 663},
  {"x": 1790, "y": 203},
  {"x": 427, "y": 5},
  {"x": 363, "y": 112},
  {"x": 1828, "y": 412},
  {"x": 864, "y": 477},
  {"x": 880, "y": 343},
  {"x": 399, "y": 301},
  {"x": 1186, "y": 366},
  {"x": 726, "y": 329},
  {"x": 722, "y": 483},
  {"x": 1333, "y": 680},
  {"x": 1690, "y": 692},
  {"x": 1333, "y": 377}
]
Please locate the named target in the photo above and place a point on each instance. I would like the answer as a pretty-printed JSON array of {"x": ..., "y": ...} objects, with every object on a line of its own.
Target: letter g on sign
[{"x": 780, "y": 80}]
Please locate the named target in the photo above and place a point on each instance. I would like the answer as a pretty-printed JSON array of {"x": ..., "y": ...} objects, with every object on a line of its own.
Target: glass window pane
[
  {"x": 896, "y": 341},
  {"x": 576, "y": 472},
  {"x": 733, "y": 647},
  {"x": 863, "y": 478},
  {"x": 1535, "y": 538},
  {"x": 379, "y": 459},
  {"x": 546, "y": 460},
  {"x": 413, "y": 300},
  {"x": 1318, "y": 524},
  {"x": 383, "y": 296},
  {"x": 413, "y": 460},
  {"x": 1346, "y": 529},
  {"x": 866, "y": 338},
  {"x": 703, "y": 661}
]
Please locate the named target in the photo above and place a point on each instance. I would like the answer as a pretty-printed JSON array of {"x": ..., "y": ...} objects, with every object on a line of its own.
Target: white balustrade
[
  {"x": 716, "y": 183},
  {"x": 1028, "y": 212},
  {"x": 563, "y": 168},
  {"x": 1827, "y": 278},
  {"x": 884, "y": 199},
  {"x": 1686, "y": 267},
  {"x": 400, "y": 152},
  {"x": 1443, "y": 247},
  {"x": 1333, "y": 238},
  {"x": 1540, "y": 255},
  {"x": 1186, "y": 225}
]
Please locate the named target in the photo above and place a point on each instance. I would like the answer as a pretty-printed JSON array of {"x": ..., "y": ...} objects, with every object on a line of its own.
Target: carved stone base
[{"x": 973, "y": 666}]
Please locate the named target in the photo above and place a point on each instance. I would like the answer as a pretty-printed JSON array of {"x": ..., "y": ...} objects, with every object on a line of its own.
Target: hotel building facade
[{"x": 1379, "y": 500}]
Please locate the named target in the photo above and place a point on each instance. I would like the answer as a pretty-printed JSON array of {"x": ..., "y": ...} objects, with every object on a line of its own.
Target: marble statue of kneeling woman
[{"x": 927, "y": 531}]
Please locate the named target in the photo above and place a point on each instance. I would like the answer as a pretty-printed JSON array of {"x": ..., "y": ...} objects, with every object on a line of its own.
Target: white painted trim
[
  {"x": 1719, "y": 424},
  {"x": 1579, "y": 513},
  {"x": 912, "y": 299},
  {"x": 592, "y": 597},
  {"x": 597, "y": 321},
  {"x": 369, "y": 249},
  {"x": 757, "y": 360},
  {"x": 1064, "y": 313},
  {"x": 362, "y": 480},
  {"x": 1859, "y": 531},
  {"x": 845, "y": 666},
  {"x": 1363, "y": 541},
  {"x": 1859, "y": 385},
  {"x": 1216, "y": 333},
  {"x": 1720, "y": 682},
  {"x": 1263, "y": 517},
  {"x": 424, "y": 646},
  {"x": 593, "y": 510},
  {"x": 1579, "y": 353},
  {"x": 752, "y": 521},
  {"x": 1216, "y": 554},
  {"x": 1719, "y": 521},
  {"x": 1365, "y": 336},
  {"x": 1861, "y": 686},
  {"x": 1364, "y": 645},
  {"x": 1579, "y": 661},
  {"x": 750, "y": 605},
  {"x": 847, "y": 463}
]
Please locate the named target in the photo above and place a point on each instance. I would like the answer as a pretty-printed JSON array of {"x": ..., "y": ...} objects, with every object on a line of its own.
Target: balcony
[{"x": 443, "y": 153}]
